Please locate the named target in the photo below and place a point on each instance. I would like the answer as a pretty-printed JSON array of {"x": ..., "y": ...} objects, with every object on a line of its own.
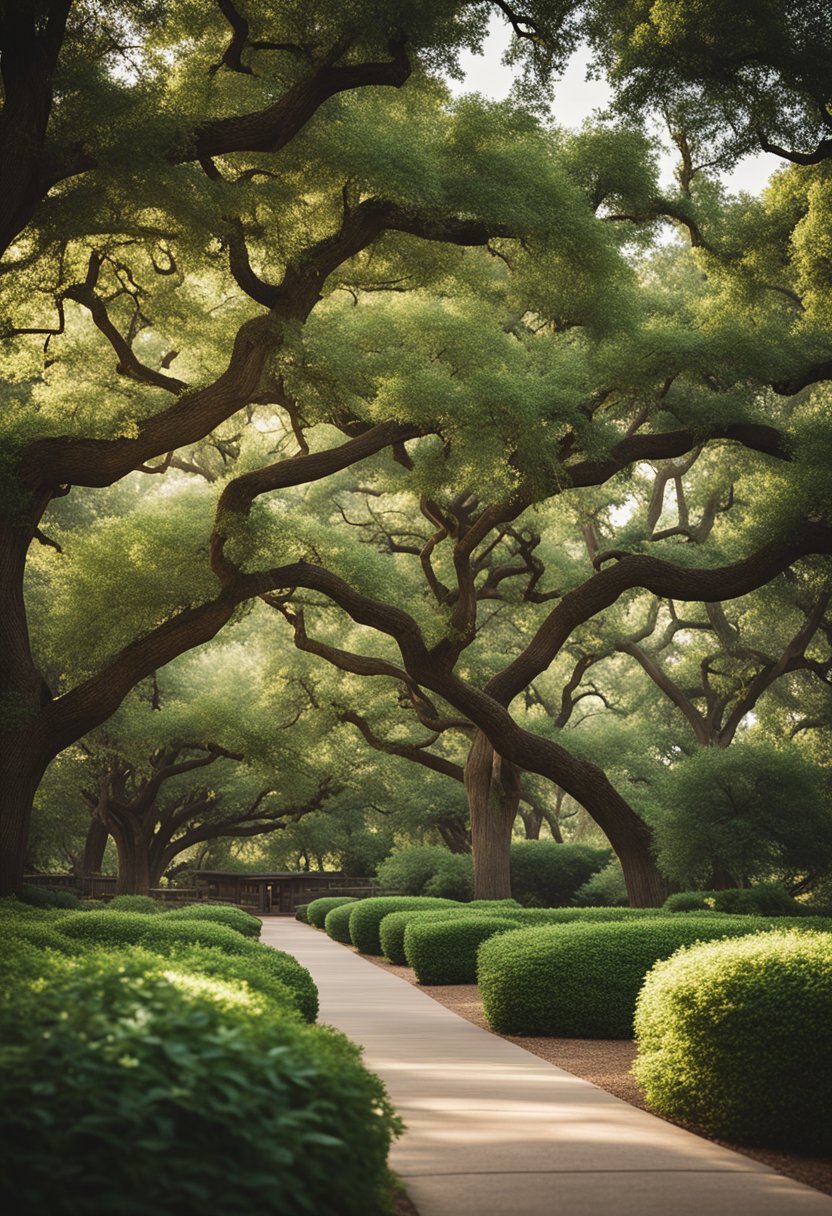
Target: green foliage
[
  {"x": 452, "y": 879},
  {"x": 113, "y": 1063},
  {"x": 406, "y": 870},
  {"x": 446, "y": 952},
  {"x": 392, "y": 928},
  {"x": 282, "y": 985},
  {"x": 103, "y": 927},
  {"x": 582, "y": 980},
  {"x": 220, "y": 914},
  {"x": 135, "y": 903},
  {"x": 46, "y": 897},
  {"x": 606, "y": 888},
  {"x": 762, "y": 900},
  {"x": 733, "y": 1037},
  {"x": 367, "y": 914},
  {"x": 547, "y": 874},
  {"x": 318, "y": 909},
  {"x": 301, "y": 913},
  {"x": 752, "y": 810},
  {"x": 337, "y": 924}
]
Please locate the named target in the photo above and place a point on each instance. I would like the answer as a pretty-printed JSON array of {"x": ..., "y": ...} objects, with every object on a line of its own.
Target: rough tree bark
[{"x": 493, "y": 787}]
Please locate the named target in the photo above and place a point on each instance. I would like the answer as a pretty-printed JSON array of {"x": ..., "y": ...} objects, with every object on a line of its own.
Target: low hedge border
[
  {"x": 337, "y": 924},
  {"x": 392, "y": 928},
  {"x": 733, "y": 1036},
  {"x": 445, "y": 952},
  {"x": 367, "y": 914},
  {"x": 316, "y": 912},
  {"x": 582, "y": 980},
  {"x": 219, "y": 914}
]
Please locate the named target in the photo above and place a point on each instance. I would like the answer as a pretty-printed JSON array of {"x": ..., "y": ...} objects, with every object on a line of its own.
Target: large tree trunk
[
  {"x": 20, "y": 776},
  {"x": 133, "y": 848},
  {"x": 92, "y": 857},
  {"x": 23, "y": 758},
  {"x": 493, "y": 787}
]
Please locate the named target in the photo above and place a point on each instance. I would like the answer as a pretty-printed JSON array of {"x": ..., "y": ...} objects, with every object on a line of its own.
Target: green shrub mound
[
  {"x": 768, "y": 900},
  {"x": 166, "y": 935},
  {"x": 547, "y": 874},
  {"x": 40, "y": 934},
  {"x": 734, "y": 1037},
  {"x": 130, "y": 1087},
  {"x": 606, "y": 888},
  {"x": 101, "y": 927},
  {"x": 46, "y": 897},
  {"x": 219, "y": 914},
  {"x": 582, "y": 980},
  {"x": 392, "y": 927},
  {"x": 170, "y": 940},
  {"x": 300, "y": 913},
  {"x": 319, "y": 908},
  {"x": 367, "y": 914},
  {"x": 245, "y": 969},
  {"x": 134, "y": 903},
  {"x": 453, "y": 878},
  {"x": 445, "y": 952},
  {"x": 406, "y": 871},
  {"x": 337, "y": 923}
]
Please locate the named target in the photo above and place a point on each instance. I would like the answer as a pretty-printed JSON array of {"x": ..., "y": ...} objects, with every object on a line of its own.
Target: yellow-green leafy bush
[
  {"x": 129, "y": 1084},
  {"x": 446, "y": 952},
  {"x": 582, "y": 980},
  {"x": 734, "y": 1037}
]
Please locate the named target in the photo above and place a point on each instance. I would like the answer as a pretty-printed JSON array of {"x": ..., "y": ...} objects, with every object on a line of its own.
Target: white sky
[{"x": 576, "y": 98}]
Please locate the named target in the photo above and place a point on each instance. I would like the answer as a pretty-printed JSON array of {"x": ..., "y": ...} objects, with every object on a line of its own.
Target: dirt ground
[{"x": 606, "y": 1063}]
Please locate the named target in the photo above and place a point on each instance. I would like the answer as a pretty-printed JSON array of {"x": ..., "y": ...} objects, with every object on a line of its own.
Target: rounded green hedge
[
  {"x": 129, "y": 1087},
  {"x": 272, "y": 982},
  {"x": 392, "y": 927},
  {"x": 582, "y": 980},
  {"x": 47, "y": 897},
  {"x": 316, "y": 912},
  {"x": 219, "y": 914},
  {"x": 134, "y": 903},
  {"x": 300, "y": 913},
  {"x": 337, "y": 924},
  {"x": 445, "y": 952},
  {"x": 367, "y": 914},
  {"x": 167, "y": 935},
  {"x": 733, "y": 1036}
]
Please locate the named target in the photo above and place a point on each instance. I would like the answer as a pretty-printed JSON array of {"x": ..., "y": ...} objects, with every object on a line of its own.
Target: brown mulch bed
[{"x": 606, "y": 1063}]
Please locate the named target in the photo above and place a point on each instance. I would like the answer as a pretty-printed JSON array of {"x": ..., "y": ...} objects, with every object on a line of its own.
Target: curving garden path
[{"x": 495, "y": 1131}]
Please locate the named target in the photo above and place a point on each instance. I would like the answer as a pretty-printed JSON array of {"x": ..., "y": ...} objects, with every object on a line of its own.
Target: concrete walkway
[{"x": 495, "y": 1131}]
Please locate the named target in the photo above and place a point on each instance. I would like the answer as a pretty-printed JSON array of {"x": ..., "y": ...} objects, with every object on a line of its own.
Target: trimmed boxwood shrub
[
  {"x": 318, "y": 909},
  {"x": 582, "y": 980},
  {"x": 734, "y": 1037},
  {"x": 337, "y": 923},
  {"x": 445, "y": 952},
  {"x": 391, "y": 930},
  {"x": 101, "y": 927},
  {"x": 134, "y": 903},
  {"x": 219, "y": 914},
  {"x": 547, "y": 874},
  {"x": 300, "y": 913},
  {"x": 764, "y": 900},
  {"x": 128, "y": 1087},
  {"x": 367, "y": 914}
]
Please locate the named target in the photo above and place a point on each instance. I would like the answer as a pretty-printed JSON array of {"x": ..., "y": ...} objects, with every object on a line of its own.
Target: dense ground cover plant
[
  {"x": 135, "y": 903},
  {"x": 733, "y": 1037},
  {"x": 318, "y": 909},
  {"x": 131, "y": 1084},
  {"x": 582, "y": 980},
  {"x": 446, "y": 952}
]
